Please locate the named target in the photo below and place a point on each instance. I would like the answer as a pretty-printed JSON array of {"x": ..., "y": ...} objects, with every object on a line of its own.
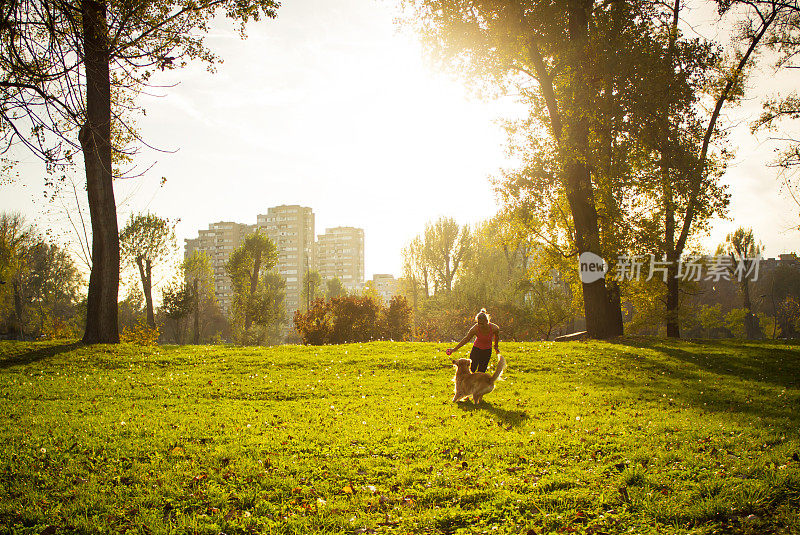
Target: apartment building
[
  {"x": 291, "y": 228},
  {"x": 218, "y": 242},
  {"x": 340, "y": 254},
  {"x": 385, "y": 285},
  {"x": 337, "y": 253}
]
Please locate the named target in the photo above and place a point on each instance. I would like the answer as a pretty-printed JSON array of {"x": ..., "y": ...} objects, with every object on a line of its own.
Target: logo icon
[{"x": 592, "y": 267}]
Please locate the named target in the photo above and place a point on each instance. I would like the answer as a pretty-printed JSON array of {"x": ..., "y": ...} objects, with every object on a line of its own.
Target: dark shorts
[{"x": 480, "y": 359}]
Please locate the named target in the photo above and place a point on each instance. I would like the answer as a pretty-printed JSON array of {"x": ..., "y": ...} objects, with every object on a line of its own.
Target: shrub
[
  {"x": 398, "y": 319},
  {"x": 217, "y": 339},
  {"x": 343, "y": 320},
  {"x": 140, "y": 334},
  {"x": 734, "y": 321},
  {"x": 355, "y": 319},
  {"x": 315, "y": 325},
  {"x": 56, "y": 328}
]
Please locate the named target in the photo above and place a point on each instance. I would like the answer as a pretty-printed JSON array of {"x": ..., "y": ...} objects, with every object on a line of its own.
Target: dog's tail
[{"x": 501, "y": 365}]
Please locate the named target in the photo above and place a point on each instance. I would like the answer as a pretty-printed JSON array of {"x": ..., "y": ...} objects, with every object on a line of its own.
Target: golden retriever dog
[{"x": 475, "y": 384}]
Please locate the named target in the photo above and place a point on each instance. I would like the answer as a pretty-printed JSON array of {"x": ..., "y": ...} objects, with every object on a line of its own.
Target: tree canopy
[
  {"x": 618, "y": 152},
  {"x": 70, "y": 72},
  {"x": 146, "y": 241}
]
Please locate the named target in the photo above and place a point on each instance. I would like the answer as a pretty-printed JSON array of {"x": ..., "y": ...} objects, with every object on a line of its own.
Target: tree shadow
[
  {"x": 690, "y": 371},
  {"x": 772, "y": 362},
  {"x": 35, "y": 355},
  {"x": 512, "y": 418}
]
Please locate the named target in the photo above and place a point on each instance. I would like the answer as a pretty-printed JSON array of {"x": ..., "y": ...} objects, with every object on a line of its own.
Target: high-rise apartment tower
[
  {"x": 340, "y": 254},
  {"x": 218, "y": 242},
  {"x": 291, "y": 228}
]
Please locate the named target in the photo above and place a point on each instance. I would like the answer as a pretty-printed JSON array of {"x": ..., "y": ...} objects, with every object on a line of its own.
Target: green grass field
[{"x": 638, "y": 436}]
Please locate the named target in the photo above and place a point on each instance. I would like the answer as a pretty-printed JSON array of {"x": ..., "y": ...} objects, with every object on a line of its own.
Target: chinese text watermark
[{"x": 689, "y": 268}]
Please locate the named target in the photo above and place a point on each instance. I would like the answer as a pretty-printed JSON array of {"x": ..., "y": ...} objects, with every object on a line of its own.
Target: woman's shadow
[{"x": 512, "y": 418}]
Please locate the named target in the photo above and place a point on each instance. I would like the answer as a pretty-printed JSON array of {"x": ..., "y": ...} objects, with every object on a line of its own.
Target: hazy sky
[{"x": 330, "y": 106}]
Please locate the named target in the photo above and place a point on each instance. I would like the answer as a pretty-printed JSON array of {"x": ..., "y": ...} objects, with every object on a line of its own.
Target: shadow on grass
[
  {"x": 721, "y": 376},
  {"x": 36, "y": 355},
  {"x": 512, "y": 418},
  {"x": 773, "y": 362}
]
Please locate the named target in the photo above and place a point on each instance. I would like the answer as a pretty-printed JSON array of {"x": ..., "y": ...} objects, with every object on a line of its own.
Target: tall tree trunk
[
  {"x": 673, "y": 295},
  {"x": 414, "y": 298},
  {"x": 95, "y": 139},
  {"x": 448, "y": 277},
  {"x": 16, "y": 288},
  {"x": 571, "y": 134},
  {"x": 673, "y": 288},
  {"x": 196, "y": 334},
  {"x": 672, "y": 323},
  {"x": 145, "y": 272},
  {"x": 248, "y": 320},
  {"x": 602, "y": 321},
  {"x": 151, "y": 317},
  {"x": 751, "y": 324}
]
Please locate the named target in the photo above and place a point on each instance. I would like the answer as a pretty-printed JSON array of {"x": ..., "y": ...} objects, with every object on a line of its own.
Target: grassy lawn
[{"x": 638, "y": 436}]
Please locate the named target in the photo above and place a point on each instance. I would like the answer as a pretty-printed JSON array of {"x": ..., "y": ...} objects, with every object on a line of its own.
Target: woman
[{"x": 483, "y": 331}]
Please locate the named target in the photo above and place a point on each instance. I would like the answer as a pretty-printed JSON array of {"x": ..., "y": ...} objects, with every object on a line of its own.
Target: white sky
[{"x": 329, "y": 106}]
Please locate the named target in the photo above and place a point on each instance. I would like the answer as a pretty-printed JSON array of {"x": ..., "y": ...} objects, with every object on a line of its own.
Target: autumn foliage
[{"x": 343, "y": 320}]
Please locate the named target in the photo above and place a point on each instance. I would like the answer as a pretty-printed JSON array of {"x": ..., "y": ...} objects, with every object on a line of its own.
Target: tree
[
  {"x": 246, "y": 268},
  {"x": 177, "y": 302},
  {"x": 269, "y": 308},
  {"x": 352, "y": 319},
  {"x": 312, "y": 281},
  {"x": 744, "y": 251},
  {"x": 787, "y": 316},
  {"x": 41, "y": 282},
  {"x": 785, "y": 40},
  {"x": 199, "y": 277},
  {"x": 514, "y": 277},
  {"x": 736, "y": 322},
  {"x": 51, "y": 284},
  {"x": 415, "y": 267},
  {"x": 783, "y": 284},
  {"x": 432, "y": 261},
  {"x": 355, "y": 319},
  {"x": 398, "y": 319},
  {"x": 728, "y": 89},
  {"x": 684, "y": 73},
  {"x": 132, "y": 309},
  {"x": 334, "y": 288},
  {"x": 146, "y": 241},
  {"x": 71, "y": 71},
  {"x": 580, "y": 67},
  {"x": 369, "y": 290},
  {"x": 498, "y": 262},
  {"x": 445, "y": 248},
  {"x": 415, "y": 280},
  {"x": 316, "y": 324},
  {"x": 711, "y": 320},
  {"x": 15, "y": 236},
  {"x": 547, "y": 307},
  {"x": 507, "y": 271},
  {"x": 546, "y": 51}
]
